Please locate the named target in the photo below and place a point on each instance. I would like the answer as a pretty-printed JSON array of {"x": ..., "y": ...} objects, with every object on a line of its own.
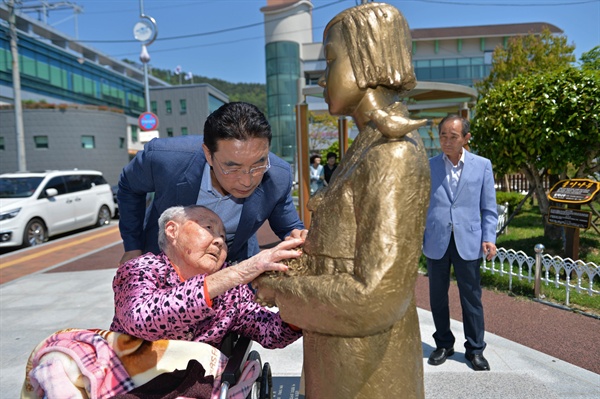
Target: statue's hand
[{"x": 265, "y": 294}]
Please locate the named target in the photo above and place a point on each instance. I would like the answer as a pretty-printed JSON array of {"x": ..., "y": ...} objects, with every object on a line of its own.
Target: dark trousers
[{"x": 468, "y": 278}]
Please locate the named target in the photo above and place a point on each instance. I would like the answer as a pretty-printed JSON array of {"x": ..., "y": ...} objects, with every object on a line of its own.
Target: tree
[
  {"x": 527, "y": 54},
  {"x": 335, "y": 148},
  {"x": 542, "y": 123},
  {"x": 323, "y": 130},
  {"x": 591, "y": 59}
]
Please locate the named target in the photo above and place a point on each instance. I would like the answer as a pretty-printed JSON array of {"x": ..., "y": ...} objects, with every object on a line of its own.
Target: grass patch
[{"x": 524, "y": 232}]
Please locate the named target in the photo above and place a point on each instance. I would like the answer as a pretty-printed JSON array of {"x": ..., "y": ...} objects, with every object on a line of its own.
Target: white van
[{"x": 37, "y": 205}]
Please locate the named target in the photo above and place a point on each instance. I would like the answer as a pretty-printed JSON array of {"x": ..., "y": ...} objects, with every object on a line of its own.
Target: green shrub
[{"x": 513, "y": 199}]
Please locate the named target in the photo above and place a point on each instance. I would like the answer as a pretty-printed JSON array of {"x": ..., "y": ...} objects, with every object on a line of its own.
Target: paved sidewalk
[{"x": 37, "y": 305}]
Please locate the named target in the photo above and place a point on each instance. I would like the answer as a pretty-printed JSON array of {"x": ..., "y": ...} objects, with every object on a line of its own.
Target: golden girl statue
[{"x": 353, "y": 292}]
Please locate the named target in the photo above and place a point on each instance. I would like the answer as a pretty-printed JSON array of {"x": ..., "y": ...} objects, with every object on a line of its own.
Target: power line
[
  {"x": 486, "y": 4},
  {"x": 216, "y": 32}
]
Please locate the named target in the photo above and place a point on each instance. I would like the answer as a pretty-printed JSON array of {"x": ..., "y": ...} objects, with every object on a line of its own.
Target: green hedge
[{"x": 513, "y": 199}]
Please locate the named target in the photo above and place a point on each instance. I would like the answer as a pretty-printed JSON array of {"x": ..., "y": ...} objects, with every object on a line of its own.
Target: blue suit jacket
[
  {"x": 172, "y": 169},
  {"x": 472, "y": 215}
]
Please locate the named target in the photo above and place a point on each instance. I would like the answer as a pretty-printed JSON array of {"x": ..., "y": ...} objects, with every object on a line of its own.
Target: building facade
[
  {"x": 447, "y": 62},
  {"x": 60, "y": 78},
  {"x": 182, "y": 110},
  {"x": 66, "y": 137}
]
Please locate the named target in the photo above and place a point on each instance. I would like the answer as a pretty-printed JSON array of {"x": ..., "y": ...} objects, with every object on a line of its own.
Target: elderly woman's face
[
  {"x": 200, "y": 242},
  {"x": 341, "y": 91}
]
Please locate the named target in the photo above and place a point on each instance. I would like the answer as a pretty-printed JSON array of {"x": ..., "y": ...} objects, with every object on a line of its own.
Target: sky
[{"x": 224, "y": 39}]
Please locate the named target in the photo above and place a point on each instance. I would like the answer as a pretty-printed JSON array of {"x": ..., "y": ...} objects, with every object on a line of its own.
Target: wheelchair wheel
[
  {"x": 255, "y": 391},
  {"x": 266, "y": 383}
]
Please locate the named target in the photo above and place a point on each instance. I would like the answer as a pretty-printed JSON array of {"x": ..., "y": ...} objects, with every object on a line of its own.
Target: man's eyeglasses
[{"x": 255, "y": 171}]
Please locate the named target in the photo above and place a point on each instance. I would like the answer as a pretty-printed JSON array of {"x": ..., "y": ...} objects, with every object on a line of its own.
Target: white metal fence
[{"x": 550, "y": 267}]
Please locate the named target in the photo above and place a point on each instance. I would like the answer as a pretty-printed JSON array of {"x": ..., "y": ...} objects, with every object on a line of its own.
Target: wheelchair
[
  {"x": 239, "y": 353},
  {"x": 93, "y": 363}
]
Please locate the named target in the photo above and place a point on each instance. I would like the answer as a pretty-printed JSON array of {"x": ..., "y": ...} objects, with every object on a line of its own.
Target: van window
[
  {"x": 78, "y": 183},
  {"x": 97, "y": 180},
  {"x": 57, "y": 183}
]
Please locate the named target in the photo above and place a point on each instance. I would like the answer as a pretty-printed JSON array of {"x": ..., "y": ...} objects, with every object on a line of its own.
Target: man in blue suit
[
  {"x": 228, "y": 170},
  {"x": 460, "y": 230}
]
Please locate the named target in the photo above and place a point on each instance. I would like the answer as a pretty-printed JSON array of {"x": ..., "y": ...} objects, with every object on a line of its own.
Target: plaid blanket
[{"x": 101, "y": 364}]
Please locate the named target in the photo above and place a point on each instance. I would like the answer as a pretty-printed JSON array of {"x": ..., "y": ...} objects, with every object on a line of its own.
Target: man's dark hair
[
  {"x": 466, "y": 125},
  {"x": 235, "y": 121},
  {"x": 331, "y": 155}
]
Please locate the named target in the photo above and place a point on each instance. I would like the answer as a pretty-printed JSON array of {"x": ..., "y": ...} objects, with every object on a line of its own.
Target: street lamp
[{"x": 145, "y": 31}]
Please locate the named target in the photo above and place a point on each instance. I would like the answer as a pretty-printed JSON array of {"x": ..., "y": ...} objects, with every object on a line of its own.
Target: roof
[{"x": 463, "y": 32}]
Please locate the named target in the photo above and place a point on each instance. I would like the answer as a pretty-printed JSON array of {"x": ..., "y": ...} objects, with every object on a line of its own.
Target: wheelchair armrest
[{"x": 237, "y": 360}]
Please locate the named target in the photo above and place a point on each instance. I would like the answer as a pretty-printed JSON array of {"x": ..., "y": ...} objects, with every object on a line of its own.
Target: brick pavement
[{"x": 566, "y": 335}]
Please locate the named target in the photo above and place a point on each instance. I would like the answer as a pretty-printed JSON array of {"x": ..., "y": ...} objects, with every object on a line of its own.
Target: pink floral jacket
[{"x": 152, "y": 303}]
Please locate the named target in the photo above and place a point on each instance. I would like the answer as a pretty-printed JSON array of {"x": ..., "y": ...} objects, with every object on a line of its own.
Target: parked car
[
  {"x": 37, "y": 205},
  {"x": 115, "y": 190}
]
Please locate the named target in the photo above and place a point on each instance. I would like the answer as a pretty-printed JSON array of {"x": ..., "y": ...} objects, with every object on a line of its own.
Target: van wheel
[
  {"x": 35, "y": 233},
  {"x": 103, "y": 216}
]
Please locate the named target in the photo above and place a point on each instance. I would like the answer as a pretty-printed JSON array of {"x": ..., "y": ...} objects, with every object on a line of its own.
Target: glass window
[
  {"x": 450, "y": 62},
  {"x": 28, "y": 66},
  {"x": 78, "y": 183},
  {"x": 56, "y": 76},
  {"x": 88, "y": 142},
  {"x": 97, "y": 180},
  {"x": 89, "y": 87},
  {"x": 41, "y": 141},
  {"x": 134, "y": 133},
  {"x": 169, "y": 132},
  {"x": 183, "y": 105},
  {"x": 77, "y": 83},
  {"x": 153, "y": 107},
  {"x": 43, "y": 67},
  {"x": 213, "y": 103},
  {"x": 121, "y": 142},
  {"x": 5, "y": 60},
  {"x": 184, "y": 131},
  {"x": 2, "y": 143},
  {"x": 168, "y": 108},
  {"x": 488, "y": 57},
  {"x": 57, "y": 183}
]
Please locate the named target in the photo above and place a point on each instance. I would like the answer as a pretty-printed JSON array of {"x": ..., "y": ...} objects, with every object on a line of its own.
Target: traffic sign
[{"x": 148, "y": 121}]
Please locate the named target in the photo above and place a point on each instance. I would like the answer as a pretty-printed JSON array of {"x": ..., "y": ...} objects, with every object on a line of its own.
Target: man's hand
[
  {"x": 296, "y": 233},
  {"x": 489, "y": 250},
  {"x": 130, "y": 255}
]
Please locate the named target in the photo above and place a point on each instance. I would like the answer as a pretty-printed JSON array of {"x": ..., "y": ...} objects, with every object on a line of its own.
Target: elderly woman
[
  {"x": 353, "y": 294},
  {"x": 186, "y": 293}
]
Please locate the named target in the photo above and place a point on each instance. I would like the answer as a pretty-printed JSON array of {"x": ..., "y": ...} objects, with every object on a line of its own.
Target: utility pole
[{"x": 22, "y": 163}]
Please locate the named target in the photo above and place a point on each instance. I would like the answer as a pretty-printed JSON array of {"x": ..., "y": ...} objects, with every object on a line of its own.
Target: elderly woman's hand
[
  {"x": 246, "y": 271},
  {"x": 268, "y": 259}
]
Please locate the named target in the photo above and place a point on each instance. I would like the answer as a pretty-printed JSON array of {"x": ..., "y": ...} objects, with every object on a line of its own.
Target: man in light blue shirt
[{"x": 460, "y": 230}]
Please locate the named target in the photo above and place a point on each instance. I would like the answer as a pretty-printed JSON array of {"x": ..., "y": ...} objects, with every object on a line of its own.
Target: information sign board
[
  {"x": 568, "y": 217},
  {"x": 574, "y": 191},
  {"x": 148, "y": 121}
]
